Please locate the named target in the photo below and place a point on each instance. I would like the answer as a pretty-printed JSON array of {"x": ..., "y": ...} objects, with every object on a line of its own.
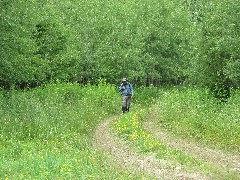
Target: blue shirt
[{"x": 126, "y": 89}]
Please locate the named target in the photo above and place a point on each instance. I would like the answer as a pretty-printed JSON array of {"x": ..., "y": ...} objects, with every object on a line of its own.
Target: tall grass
[
  {"x": 55, "y": 111},
  {"x": 193, "y": 114},
  {"x": 47, "y": 133}
]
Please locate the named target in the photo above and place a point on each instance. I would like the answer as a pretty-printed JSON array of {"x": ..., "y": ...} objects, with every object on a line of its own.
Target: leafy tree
[
  {"x": 150, "y": 42},
  {"x": 17, "y": 59},
  {"x": 216, "y": 54}
]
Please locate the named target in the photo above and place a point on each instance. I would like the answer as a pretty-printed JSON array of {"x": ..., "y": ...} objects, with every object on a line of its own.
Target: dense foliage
[{"x": 151, "y": 42}]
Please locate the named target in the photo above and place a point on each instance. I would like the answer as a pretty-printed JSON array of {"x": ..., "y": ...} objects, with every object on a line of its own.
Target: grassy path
[{"x": 128, "y": 158}]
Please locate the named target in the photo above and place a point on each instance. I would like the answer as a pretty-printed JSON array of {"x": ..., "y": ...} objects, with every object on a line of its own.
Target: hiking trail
[{"x": 128, "y": 158}]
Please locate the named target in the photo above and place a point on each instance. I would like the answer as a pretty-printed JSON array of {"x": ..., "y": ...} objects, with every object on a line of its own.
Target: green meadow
[{"x": 47, "y": 132}]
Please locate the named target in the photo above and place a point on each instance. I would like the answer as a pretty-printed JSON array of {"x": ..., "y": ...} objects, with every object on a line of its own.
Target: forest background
[{"x": 151, "y": 42}]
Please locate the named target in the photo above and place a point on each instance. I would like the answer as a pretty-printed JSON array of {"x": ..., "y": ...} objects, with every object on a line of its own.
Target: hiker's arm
[
  {"x": 131, "y": 89},
  {"x": 120, "y": 87}
]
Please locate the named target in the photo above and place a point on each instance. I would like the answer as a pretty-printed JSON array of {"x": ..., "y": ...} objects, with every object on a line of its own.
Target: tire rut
[
  {"x": 226, "y": 162},
  {"x": 126, "y": 158}
]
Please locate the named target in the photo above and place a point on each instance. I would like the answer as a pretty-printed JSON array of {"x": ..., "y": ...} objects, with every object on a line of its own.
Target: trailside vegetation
[{"x": 48, "y": 132}]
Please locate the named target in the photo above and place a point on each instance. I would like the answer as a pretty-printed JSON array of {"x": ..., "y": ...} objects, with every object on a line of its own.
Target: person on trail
[{"x": 127, "y": 93}]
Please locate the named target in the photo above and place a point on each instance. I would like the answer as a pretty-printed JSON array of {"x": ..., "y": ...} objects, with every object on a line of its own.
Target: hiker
[{"x": 127, "y": 93}]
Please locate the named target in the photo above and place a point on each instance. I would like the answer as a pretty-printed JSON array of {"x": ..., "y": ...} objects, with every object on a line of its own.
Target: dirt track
[
  {"x": 226, "y": 162},
  {"x": 127, "y": 158}
]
